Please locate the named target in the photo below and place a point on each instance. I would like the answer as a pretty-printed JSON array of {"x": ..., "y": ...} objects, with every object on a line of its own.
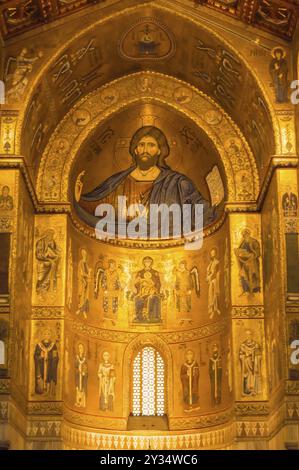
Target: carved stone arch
[
  {"x": 159, "y": 5},
  {"x": 142, "y": 340},
  {"x": 65, "y": 143}
]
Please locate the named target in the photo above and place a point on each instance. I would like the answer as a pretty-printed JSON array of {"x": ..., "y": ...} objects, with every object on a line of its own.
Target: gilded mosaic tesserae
[{"x": 149, "y": 230}]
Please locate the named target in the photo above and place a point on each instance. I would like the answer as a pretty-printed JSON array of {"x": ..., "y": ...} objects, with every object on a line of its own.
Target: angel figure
[
  {"x": 213, "y": 280},
  {"x": 17, "y": 70},
  {"x": 185, "y": 281}
]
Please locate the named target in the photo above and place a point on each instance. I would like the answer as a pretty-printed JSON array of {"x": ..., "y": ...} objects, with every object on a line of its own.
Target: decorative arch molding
[
  {"x": 142, "y": 340},
  {"x": 159, "y": 6},
  {"x": 145, "y": 87}
]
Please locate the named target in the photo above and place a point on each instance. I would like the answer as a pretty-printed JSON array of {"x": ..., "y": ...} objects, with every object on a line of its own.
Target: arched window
[{"x": 148, "y": 383}]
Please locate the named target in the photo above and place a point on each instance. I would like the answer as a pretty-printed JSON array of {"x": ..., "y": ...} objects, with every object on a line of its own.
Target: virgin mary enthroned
[{"x": 148, "y": 181}]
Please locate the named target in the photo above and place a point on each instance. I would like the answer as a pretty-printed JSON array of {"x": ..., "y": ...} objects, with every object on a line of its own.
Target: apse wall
[
  {"x": 198, "y": 321},
  {"x": 90, "y": 308}
]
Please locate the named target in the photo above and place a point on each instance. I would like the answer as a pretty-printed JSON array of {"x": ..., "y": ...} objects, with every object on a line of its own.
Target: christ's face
[
  {"x": 112, "y": 266},
  {"x": 81, "y": 350},
  {"x": 147, "y": 152},
  {"x": 49, "y": 236},
  {"x": 182, "y": 267},
  {"x": 246, "y": 235}
]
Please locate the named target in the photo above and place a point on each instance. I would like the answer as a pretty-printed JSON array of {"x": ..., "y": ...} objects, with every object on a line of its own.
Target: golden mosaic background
[{"x": 72, "y": 105}]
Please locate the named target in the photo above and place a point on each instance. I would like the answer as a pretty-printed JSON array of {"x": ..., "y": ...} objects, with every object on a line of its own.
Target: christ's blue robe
[{"x": 169, "y": 188}]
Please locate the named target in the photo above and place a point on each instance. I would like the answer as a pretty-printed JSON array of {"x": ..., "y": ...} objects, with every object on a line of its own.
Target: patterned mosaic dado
[
  {"x": 252, "y": 429},
  {"x": 258, "y": 13},
  {"x": 4, "y": 386},
  {"x": 292, "y": 409},
  {"x": 74, "y": 439},
  {"x": 3, "y": 410},
  {"x": 172, "y": 337},
  {"x": 292, "y": 387},
  {"x": 93, "y": 422}
]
